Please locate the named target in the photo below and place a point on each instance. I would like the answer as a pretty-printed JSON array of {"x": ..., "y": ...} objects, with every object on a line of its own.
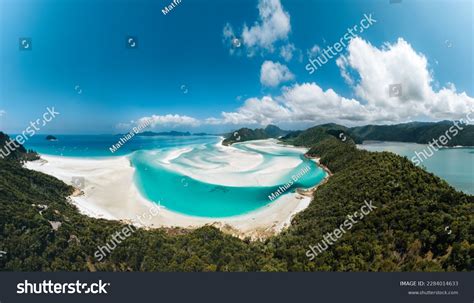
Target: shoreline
[
  {"x": 110, "y": 193},
  {"x": 312, "y": 190}
]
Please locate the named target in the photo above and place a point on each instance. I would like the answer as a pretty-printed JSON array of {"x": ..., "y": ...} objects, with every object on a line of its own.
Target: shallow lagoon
[{"x": 195, "y": 175}]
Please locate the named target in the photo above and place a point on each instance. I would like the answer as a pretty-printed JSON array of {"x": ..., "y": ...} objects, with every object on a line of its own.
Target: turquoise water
[
  {"x": 455, "y": 165},
  {"x": 98, "y": 145},
  {"x": 166, "y": 181}
]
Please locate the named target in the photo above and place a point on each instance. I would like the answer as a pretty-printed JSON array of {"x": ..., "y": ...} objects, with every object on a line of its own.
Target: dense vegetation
[
  {"x": 407, "y": 231},
  {"x": 247, "y": 134},
  {"x": 15, "y": 151},
  {"x": 317, "y": 134},
  {"x": 416, "y": 132}
]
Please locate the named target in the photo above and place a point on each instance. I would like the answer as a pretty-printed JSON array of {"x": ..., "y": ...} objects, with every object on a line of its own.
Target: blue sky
[{"x": 184, "y": 71}]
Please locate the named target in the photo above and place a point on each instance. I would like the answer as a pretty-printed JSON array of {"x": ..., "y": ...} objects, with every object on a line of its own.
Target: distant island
[
  {"x": 413, "y": 132},
  {"x": 170, "y": 133},
  {"x": 51, "y": 138}
]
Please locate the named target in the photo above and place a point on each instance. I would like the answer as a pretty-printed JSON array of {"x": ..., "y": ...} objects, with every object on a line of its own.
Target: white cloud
[
  {"x": 228, "y": 32},
  {"x": 310, "y": 103},
  {"x": 375, "y": 69},
  {"x": 228, "y": 37},
  {"x": 341, "y": 62},
  {"x": 274, "y": 73},
  {"x": 214, "y": 121},
  {"x": 286, "y": 51},
  {"x": 165, "y": 121},
  {"x": 169, "y": 120},
  {"x": 399, "y": 63},
  {"x": 369, "y": 71},
  {"x": 301, "y": 103},
  {"x": 2, "y": 112},
  {"x": 124, "y": 125},
  {"x": 314, "y": 51},
  {"x": 257, "y": 111},
  {"x": 273, "y": 25}
]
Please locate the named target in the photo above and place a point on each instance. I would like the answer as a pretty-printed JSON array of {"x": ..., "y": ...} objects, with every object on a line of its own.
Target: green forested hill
[
  {"x": 318, "y": 133},
  {"x": 15, "y": 151},
  {"x": 405, "y": 233},
  {"x": 417, "y": 132},
  {"x": 247, "y": 134}
]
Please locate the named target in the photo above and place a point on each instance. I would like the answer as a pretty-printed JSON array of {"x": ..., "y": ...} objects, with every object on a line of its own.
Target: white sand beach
[{"x": 109, "y": 192}]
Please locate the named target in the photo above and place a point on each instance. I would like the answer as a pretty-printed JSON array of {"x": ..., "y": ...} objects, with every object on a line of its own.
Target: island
[{"x": 51, "y": 138}]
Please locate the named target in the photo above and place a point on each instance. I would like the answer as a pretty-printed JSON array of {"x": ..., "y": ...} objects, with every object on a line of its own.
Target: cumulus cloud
[
  {"x": 301, "y": 103},
  {"x": 274, "y": 73},
  {"x": 370, "y": 71},
  {"x": 286, "y": 51},
  {"x": 257, "y": 111},
  {"x": 164, "y": 121},
  {"x": 273, "y": 25},
  {"x": 377, "y": 69},
  {"x": 2, "y": 112},
  {"x": 170, "y": 120}
]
